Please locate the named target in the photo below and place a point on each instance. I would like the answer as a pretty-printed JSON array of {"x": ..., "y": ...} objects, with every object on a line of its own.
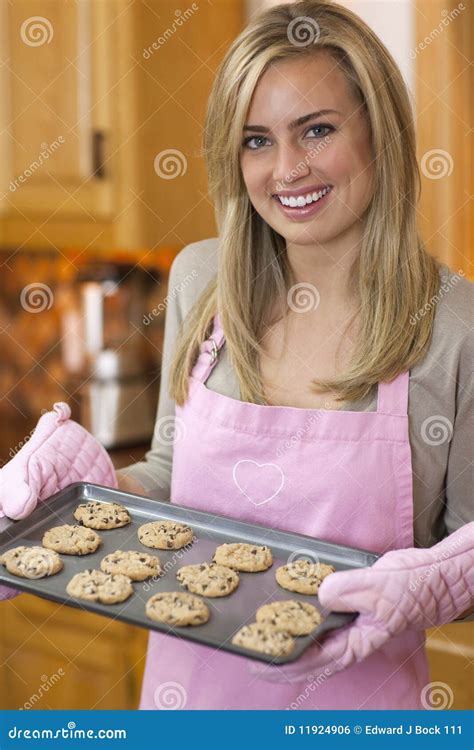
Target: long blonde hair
[{"x": 394, "y": 275}]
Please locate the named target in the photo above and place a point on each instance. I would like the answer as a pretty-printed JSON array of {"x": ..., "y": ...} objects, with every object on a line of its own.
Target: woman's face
[{"x": 289, "y": 151}]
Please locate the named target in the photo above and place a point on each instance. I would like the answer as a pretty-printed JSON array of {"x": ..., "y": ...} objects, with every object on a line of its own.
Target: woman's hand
[
  {"x": 405, "y": 589},
  {"x": 129, "y": 484},
  {"x": 59, "y": 453}
]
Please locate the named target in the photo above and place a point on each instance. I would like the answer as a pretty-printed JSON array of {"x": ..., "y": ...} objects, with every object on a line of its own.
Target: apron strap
[
  {"x": 393, "y": 396},
  {"x": 209, "y": 351}
]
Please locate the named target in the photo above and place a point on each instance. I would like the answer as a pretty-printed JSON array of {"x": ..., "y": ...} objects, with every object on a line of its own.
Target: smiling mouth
[{"x": 300, "y": 201}]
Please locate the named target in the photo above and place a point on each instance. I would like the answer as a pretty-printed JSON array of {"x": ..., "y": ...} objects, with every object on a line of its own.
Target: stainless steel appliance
[{"x": 106, "y": 351}]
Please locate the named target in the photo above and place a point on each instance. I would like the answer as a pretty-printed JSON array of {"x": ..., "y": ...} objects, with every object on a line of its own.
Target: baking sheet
[{"x": 228, "y": 614}]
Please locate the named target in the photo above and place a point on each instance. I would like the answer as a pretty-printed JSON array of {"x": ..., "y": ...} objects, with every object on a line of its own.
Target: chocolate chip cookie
[
  {"x": 208, "y": 579},
  {"x": 165, "y": 534},
  {"x": 177, "y": 608},
  {"x": 261, "y": 637},
  {"x": 303, "y": 576},
  {"x": 96, "y": 515},
  {"x": 31, "y": 562},
  {"x": 291, "y": 616},
  {"x": 135, "y": 565},
  {"x": 71, "y": 540},
  {"x": 250, "y": 558},
  {"x": 97, "y": 586}
]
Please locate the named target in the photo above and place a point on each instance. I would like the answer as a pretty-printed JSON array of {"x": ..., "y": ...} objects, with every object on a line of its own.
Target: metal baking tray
[{"x": 228, "y": 614}]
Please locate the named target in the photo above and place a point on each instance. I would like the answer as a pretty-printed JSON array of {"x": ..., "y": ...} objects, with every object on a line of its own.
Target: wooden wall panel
[{"x": 444, "y": 37}]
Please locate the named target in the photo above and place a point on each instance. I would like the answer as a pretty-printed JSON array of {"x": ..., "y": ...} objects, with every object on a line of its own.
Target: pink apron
[{"x": 337, "y": 475}]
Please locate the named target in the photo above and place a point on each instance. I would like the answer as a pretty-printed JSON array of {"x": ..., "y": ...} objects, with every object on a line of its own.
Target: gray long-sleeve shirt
[{"x": 440, "y": 406}]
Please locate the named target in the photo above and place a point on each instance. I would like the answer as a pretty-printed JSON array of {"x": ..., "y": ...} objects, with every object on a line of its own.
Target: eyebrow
[{"x": 294, "y": 123}]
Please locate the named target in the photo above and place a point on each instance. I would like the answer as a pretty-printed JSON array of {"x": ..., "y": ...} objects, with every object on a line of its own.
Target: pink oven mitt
[
  {"x": 59, "y": 453},
  {"x": 404, "y": 589}
]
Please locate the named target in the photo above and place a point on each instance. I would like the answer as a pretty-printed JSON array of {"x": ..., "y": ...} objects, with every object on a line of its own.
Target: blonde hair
[{"x": 394, "y": 276}]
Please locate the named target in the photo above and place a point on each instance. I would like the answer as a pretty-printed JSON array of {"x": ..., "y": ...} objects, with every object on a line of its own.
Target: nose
[{"x": 290, "y": 164}]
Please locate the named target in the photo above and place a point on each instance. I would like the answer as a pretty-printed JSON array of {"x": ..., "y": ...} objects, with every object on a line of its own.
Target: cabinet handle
[{"x": 98, "y": 148}]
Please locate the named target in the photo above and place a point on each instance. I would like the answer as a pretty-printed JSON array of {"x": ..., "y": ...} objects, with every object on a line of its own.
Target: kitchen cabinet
[
  {"x": 56, "y": 657},
  {"x": 58, "y": 102},
  {"x": 85, "y": 85},
  {"x": 451, "y": 656},
  {"x": 444, "y": 116}
]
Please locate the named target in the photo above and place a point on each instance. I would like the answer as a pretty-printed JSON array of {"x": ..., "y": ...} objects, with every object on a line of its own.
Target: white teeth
[{"x": 302, "y": 200}]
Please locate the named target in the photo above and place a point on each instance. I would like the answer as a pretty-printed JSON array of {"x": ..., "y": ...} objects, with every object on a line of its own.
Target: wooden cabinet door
[
  {"x": 57, "y": 657},
  {"x": 56, "y": 107}
]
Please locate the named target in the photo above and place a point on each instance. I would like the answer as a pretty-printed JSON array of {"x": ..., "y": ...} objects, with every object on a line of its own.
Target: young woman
[
  {"x": 316, "y": 366},
  {"x": 317, "y": 374}
]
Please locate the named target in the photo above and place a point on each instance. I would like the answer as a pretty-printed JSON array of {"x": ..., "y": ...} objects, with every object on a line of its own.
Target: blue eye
[
  {"x": 248, "y": 140},
  {"x": 327, "y": 127}
]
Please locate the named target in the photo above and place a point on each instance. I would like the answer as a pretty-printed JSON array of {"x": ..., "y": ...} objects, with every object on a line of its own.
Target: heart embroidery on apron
[{"x": 259, "y": 483}]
